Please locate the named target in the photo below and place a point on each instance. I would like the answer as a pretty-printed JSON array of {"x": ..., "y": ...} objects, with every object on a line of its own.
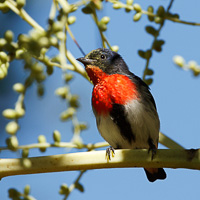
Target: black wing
[
  {"x": 119, "y": 117},
  {"x": 143, "y": 89}
]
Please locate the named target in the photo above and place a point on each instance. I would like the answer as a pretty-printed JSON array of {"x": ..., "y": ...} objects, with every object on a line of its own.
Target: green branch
[
  {"x": 173, "y": 19},
  {"x": 170, "y": 158},
  {"x": 23, "y": 14},
  {"x": 163, "y": 139}
]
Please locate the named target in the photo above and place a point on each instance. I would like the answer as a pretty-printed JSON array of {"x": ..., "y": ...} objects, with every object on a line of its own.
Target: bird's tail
[{"x": 155, "y": 173}]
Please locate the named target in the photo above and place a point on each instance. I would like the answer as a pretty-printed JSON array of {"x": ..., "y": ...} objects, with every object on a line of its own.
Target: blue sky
[{"x": 176, "y": 93}]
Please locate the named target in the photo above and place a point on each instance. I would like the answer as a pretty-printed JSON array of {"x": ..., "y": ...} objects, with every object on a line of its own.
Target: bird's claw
[
  {"x": 110, "y": 151},
  {"x": 153, "y": 150}
]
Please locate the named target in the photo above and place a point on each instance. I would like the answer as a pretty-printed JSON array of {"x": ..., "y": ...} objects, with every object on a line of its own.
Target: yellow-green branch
[
  {"x": 23, "y": 14},
  {"x": 170, "y": 158}
]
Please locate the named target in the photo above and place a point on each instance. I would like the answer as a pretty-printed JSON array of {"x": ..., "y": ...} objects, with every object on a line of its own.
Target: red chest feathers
[{"x": 113, "y": 89}]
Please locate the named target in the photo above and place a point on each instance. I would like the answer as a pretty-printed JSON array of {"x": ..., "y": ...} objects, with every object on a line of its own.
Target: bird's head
[{"x": 106, "y": 60}]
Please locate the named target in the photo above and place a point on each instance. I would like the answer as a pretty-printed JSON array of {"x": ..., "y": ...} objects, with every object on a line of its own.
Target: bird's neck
[{"x": 95, "y": 74}]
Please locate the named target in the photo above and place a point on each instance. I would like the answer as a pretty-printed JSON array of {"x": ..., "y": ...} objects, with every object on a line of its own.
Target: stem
[
  {"x": 77, "y": 67},
  {"x": 73, "y": 186},
  {"x": 74, "y": 39},
  {"x": 154, "y": 15},
  {"x": 59, "y": 145},
  {"x": 23, "y": 14},
  {"x": 155, "y": 38},
  {"x": 168, "y": 142},
  {"x": 163, "y": 139},
  {"x": 53, "y": 11},
  {"x": 103, "y": 38},
  {"x": 170, "y": 158}
]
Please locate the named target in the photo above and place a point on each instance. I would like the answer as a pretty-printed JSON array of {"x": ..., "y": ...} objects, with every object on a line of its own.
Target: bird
[{"x": 125, "y": 110}]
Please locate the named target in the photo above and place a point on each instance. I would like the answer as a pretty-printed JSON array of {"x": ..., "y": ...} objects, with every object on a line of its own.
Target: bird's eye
[{"x": 103, "y": 57}]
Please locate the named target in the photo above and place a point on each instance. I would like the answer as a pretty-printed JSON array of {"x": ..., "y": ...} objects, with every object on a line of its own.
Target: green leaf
[
  {"x": 141, "y": 54},
  {"x": 151, "y": 10},
  {"x": 79, "y": 187},
  {"x": 148, "y": 54},
  {"x": 151, "y": 30},
  {"x": 158, "y": 45},
  {"x": 161, "y": 11},
  {"x": 88, "y": 9},
  {"x": 149, "y": 72},
  {"x": 148, "y": 81}
]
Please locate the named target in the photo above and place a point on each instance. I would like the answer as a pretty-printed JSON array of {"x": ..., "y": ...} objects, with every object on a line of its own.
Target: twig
[
  {"x": 23, "y": 14},
  {"x": 170, "y": 158}
]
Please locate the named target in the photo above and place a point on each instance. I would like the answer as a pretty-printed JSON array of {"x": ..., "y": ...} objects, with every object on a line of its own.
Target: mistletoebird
[{"x": 125, "y": 110}]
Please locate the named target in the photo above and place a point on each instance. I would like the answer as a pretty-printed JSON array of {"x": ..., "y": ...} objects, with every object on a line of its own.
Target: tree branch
[{"x": 167, "y": 158}]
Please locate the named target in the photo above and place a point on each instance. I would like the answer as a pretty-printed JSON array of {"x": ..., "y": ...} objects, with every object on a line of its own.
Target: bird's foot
[
  {"x": 153, "y": 152},
  {"x": 110, "y": 151},
  {"x": 152, "y": 148}
]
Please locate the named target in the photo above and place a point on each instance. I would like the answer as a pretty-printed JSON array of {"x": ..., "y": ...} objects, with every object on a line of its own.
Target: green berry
[
  {"x": 25, "y": 153},
  {"x": 12, "y": 127},
  {"x": 4, "y": 8},
  {"x": 115, "y": 48},
  {"x": 102, "y": 26},
  {"x": 158, "y": 20},
  {"x": 137, "y": 16},
  {"x": 19, "y": 87},
  {"x": 3, "y": 42},
  {"x": 83, "y": 126},
  {"x": 117, "y": 5},
  {"x": 56, "y": 136},
  {"x": 42, "y": 139},
  {"x": 27, "y": 190},
  {"x": 9, "y": 113},
  {"x": 8, "y": 35},
  {"x": 58, "y": 26},
  {"x": 20, "y": 112},
  {"x": 68, "y": 77},
  {"x": 192, "y": 65},
  {"x": 71, "y": 20},
  {"x": 12, "y": 143},
  {"x": 3, "y": 57},
  {"x": 62, "y": 92},
  {"x": 43, "y": 42},
  {"x": 3, "y": 71},
  {"x": 2, "y": 74},
  {"x": 19, "y": 54},
  {"x": 128, "y": 8},
  {"x": 20, "y": 3},
  {"x": 60, "y": 35},
  {"x": 179, "y": 60},
  {"x": 137, "y": 7},
  {"x": 53, "y": 41},
  {"x": 64, "y": 189},
  {"x": 105, "y": 20},
  {"x": 74, "y": 101},
  {"x": 26, "y": 163},
  {"x": 67, "y": 114},
  {"x": 129, "y": 2}
]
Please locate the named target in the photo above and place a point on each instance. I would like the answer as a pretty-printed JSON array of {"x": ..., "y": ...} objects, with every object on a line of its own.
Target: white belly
[{"x": 144, "y": 125}]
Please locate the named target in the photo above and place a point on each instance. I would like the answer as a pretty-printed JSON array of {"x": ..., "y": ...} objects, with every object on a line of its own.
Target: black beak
[{"x": 85, "y": 61}]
